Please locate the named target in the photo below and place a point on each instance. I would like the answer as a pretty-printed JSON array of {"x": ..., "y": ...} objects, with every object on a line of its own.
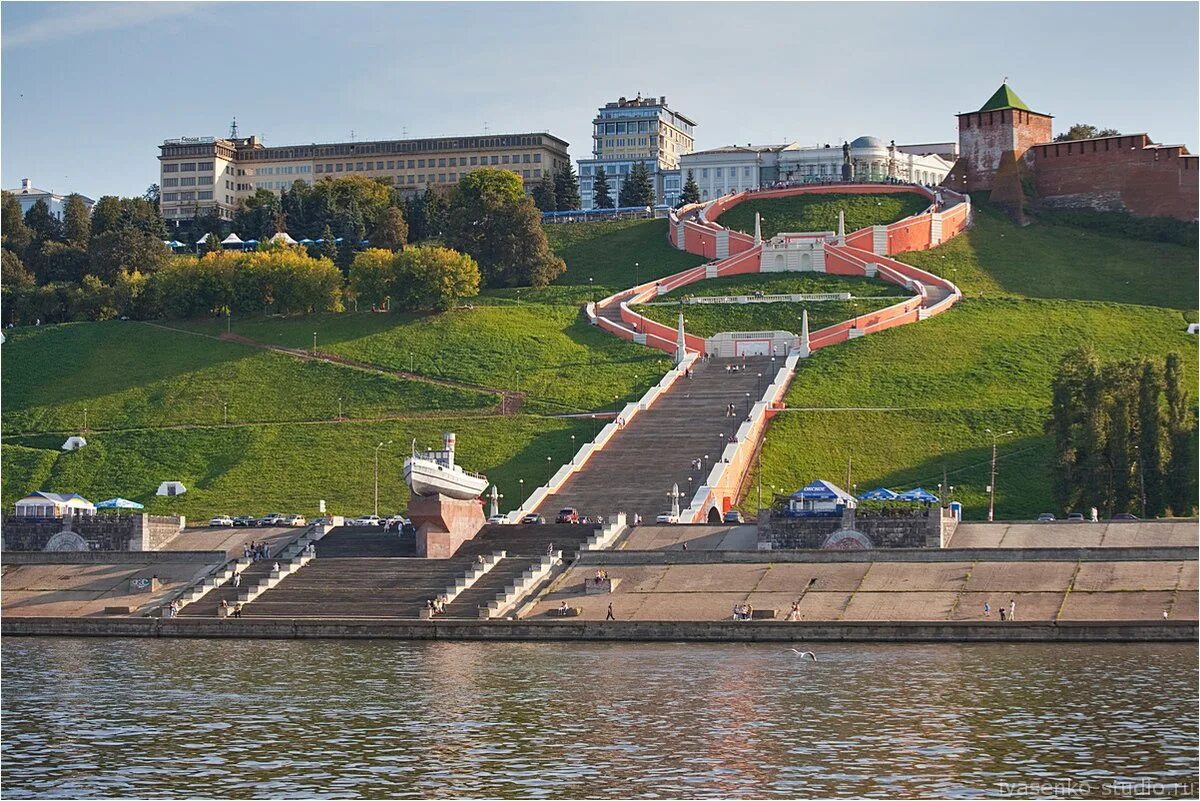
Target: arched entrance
[
  {"x": 779, "y": 263},
  {"x": 714, "y": 515},
  {"x": 806, "y": 261}
]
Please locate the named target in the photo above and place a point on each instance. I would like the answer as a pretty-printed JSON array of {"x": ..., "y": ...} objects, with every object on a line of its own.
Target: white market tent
[
  {"x": 54, "y": 504},
  {"x": 171, "y": 488},
  {"x": 232, "y": 239},
  {"x": 284, "y": 237},
  {"x": 74, "y": 443}
]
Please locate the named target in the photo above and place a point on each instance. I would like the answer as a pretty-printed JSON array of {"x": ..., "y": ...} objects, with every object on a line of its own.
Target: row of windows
[
  {"x": 288, "y": 170},
  {"x": 189, "y": 166},
  {"x": 187, "y": 181},
  {"x": 400, "y": 146},
  {"x": 719, "y": 171},
  {"x": 453, "y": 161}
]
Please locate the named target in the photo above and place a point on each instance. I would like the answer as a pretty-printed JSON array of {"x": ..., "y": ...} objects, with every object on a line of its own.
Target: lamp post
[
  {"x": 314, "y": 350},
  {"x": 225, "y": 410},
  {"x": 747, "y": 404},
  {"x": 637, "y": 274},
  {"x": 592, "y": 288},
  {"x": 339, "y": 408},
  {"x": 521, "y": 481},
  {"x": 706, "y": 464},
  {"x": 992, "y": 486},
  {"x": 377, "y": 447},
  {"x": 759, "y": 385},
  {"x": 572, "y": 449},
  {"x": 85, "y": 428},
  {"x": 548, "y": 473}
]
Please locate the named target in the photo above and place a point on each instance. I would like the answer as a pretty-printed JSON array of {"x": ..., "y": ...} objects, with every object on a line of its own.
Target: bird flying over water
[{"x": 803, "y": 654}]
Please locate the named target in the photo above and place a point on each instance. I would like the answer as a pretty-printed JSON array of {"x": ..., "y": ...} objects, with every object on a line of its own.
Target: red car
[{"x": 568, "y": 515}]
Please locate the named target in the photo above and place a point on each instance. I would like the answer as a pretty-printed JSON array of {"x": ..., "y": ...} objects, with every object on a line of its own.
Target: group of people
[
  {"x": 743, "y": 612},
  {"x": 697, "y": 464},
  {"x": 731, "y": 410},
  {"x": 230, "y": 610},
  {"x": 255, "y": 550},
  {"x": 794, "y": 613},
  {"x": 437, "y": 605},
  {"x": 601, "y": 576},
  {"x": 1012, "y": 610}
]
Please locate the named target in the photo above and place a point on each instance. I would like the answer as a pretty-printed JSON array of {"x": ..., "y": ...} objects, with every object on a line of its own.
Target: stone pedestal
[{"x": 444, "y": 523}]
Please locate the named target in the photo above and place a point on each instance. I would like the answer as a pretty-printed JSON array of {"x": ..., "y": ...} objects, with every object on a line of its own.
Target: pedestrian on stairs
[
  {"x": 237, "y": 579},
  {"x": 610, "y": 615}
]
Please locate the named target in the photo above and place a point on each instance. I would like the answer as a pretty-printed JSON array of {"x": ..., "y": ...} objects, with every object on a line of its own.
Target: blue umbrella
[
  {"x": 879, "y": 494},
  {"x": 920, "y": 495},
  {"x": 119, "y": 503}
]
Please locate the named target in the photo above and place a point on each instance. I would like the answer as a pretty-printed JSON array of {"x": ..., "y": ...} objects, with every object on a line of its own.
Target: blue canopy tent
[
  {"x": 819, "y": 498},
  {"x": 879, "y": 494},
  {"x": 918, "y": 495},
  {"x": 306, "y": 242},
  {"x": 119, "y": 503}
]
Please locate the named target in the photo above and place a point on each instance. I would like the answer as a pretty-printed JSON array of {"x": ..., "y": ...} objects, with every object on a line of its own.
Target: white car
[
  {"x": 498, "y": 520},
  {"x": 367, "y": 520},
  {"x": 667, "y": 517},
  {"x": 221, "y": 520},
  {"x": 396, "y": 522},
  {"x": 294, "y": 520}
]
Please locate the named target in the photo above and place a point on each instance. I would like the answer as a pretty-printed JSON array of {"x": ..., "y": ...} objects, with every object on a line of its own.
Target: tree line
[
  {"x": 114, "y": 263},
  {"x": 1124, "y": 436}
]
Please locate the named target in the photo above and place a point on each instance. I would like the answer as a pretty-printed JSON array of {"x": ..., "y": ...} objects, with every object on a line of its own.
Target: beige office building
[{"x": 199, "y": 173}]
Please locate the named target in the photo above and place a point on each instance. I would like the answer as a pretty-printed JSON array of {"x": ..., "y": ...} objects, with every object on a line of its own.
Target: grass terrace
[
  {"x": 707, "y": 320},
  {"x": 607, "y": 251},
  {"x": 820, "y": 212},
  {"x": 787, "y": 284}
]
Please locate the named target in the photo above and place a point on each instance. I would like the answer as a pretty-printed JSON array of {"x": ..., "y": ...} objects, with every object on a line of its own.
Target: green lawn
[
  {"x": 985, "y": 364},
  {"x": 705, "y": 320},
  {"x": 286, "y": 468},
  {"x": 128, "y": 374},
  {"x": 820, "y": 212},
  {"x": 549, "y": 352},
  {"x": 786, "y": 284},
  {"x": 996, "y": 258},
  {"x": 607, "y": 251}
]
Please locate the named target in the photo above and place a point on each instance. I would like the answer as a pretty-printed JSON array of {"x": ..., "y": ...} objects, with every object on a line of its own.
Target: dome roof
[{"x": 869, "y": 141}]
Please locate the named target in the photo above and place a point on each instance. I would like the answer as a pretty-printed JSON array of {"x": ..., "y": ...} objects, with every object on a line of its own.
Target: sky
[{"x": 89, "y": 90}]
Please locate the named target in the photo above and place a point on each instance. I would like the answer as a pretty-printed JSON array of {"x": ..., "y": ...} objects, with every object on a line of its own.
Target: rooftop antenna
[
  {"x": 351, "y": 134},
  {"x": 233, "y": 131},
  {"x": 404, "y": 132},
  {"x": 485, "y": 127}
]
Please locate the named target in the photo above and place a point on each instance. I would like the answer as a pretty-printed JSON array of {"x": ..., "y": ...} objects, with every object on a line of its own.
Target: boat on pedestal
[{"x": 429, "y": 473}]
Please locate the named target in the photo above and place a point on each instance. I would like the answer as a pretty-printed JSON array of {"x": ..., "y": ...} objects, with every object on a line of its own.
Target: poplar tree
[
  {"x": 601, "y": 199},
  {"x": 1181, "y": 468},
  {"x": 1150, "y": 435},
  {"x": 77, "y": 221}
]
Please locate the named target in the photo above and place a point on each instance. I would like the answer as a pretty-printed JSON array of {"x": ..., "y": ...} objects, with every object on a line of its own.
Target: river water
[{"x": 241, "y": 718}]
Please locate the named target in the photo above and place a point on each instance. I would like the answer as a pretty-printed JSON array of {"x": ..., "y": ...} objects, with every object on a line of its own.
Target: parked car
[
  {"x": 295, "y": 520},
  {"x": 244, "y": 520},
  {"x": 1075, "y": 517},
  {"x": 367, "y": 520},
  {"x": 1125, "y": 516},
  {"x": 667, "y": 517},
  {"x": 498, "y": 520},
  {"x": 534, "y": 519},
  {"x": 396, "y": 522},
  {"x": 734, "y": 516},
  {"x": 567, "y": 515},
  {"x": 273, "y": 519},
  {"x": 221, "y": 520},
  {"x": 1045, "y": 517},
  {"x": 322, "y": 521}
]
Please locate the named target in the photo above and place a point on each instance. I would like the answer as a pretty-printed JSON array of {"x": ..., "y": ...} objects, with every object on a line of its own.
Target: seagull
[{"x": 803, "y": 654}]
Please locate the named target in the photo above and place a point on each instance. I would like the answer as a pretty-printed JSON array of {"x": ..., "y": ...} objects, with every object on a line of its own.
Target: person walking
[
  {"x": 610, "y": 615},
  {"x": 237, "y": 580},
  {"x": 987, "y": 609},
  {"x": 1012, "y": 609}
]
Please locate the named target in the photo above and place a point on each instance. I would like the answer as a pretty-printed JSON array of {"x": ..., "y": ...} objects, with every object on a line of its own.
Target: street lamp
[
  {"x": 592, "y": 288},
  {"x": 759, "y": 385},
  {"x": 339, "y": 408},
  {"x": 548, "y": 471},
  {"x": 377, "y": 447},
  {"x": 225, "y": 409},
  {"x": 706, "y": 464},
  {"x": 637, "y": 274},
  {"x": 992, "y": 486},
  {"x": 747, "y": 404},
  {"x": 521, "y": 481},
  {"x": 314, "y": 350},
  {"x": 572, "y": 449}
]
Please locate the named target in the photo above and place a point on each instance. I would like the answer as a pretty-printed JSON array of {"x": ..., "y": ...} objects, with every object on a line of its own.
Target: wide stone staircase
[
  {"x": 209, "y": 604},
  {"x": 527, "y": 563},
  {"x": 636, "y": 469}
]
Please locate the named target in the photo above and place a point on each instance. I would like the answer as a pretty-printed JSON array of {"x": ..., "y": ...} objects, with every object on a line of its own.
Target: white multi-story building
[
  {"x": 642, "y": 130},
  {"x": 735, "y": 168},
  {"x": 28, "y": 195}
]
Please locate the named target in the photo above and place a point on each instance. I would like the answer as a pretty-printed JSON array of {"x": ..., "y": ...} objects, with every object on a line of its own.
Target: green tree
[
  {"x": 42, "y": 223},
  {"x": 130, "y": 250},
  {"x": 1064, "y": 422},
  {"x": 1121, "y": 387},
  {"x": 638, "y": 189},
  {"x": 256, "y": 215},
  {"x": 328, "y": 247},
  {"x": 566, "y": 188},
  {"x": 437, "y": 211},
  {"x": 152, "y": 194},
  {"x": 14, "y": 233},
  {"x": 1081, "y": 130},
  {"x": 492, "y": 221},
  {"x": 691, "y": 191},
  {"x": 414, "y": 214},
  {"x": 1091, "y": 463},
  {"x": 543, "y": 194},
  {"x": 392, "y": 231},
  {"x": 434, "y": 278},
  {"x": 1150, "y": 439},
  {"x": 77, "y": 221},
  {"x": 14, "y": 273},
  {"x": 1181, "y": 467},
  {"x": 601, "y": 199},
  {"x": 61, "y": 262},
  {"x": 372, "y": 275},
  {"x": 106, "y": 214}
]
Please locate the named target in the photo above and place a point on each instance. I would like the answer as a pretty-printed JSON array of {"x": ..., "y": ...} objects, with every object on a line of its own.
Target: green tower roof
[{"x": 1004, "y": 98}]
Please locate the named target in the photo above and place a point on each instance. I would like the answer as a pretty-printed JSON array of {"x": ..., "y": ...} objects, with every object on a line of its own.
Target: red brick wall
[
  {"x": 1118, "y": 173},
  {"x": 984, "y": 136}
]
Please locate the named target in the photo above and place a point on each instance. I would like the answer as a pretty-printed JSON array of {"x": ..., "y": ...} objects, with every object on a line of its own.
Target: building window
[
  {"x": 205, "y": 166},
  {"x": 524, "y": 173},
  {"x": 320, "y": 168},
  {"x": 170, "y": 196},
  {"x": 187, "y": 195},
  {"x": 170, "y": 168},
  {"x": 453, "y": 177},
  {"x": 188, "y": 167},
  {"x": 421, "y": 178},
  {"x": 537, "y": 173},
  {"x": 411, "y": 165},
  {"x": 421, "y": 163},
  {"x": 537, "y": 158},
  {"x": 474, "y": 160},
  {"x": 205, "y": 195},
  {"x": 358, "y": 166},
  {"x": 495, "y": 159},
  {"x": 441, "y": 162},
  {"x": 412, "y": 179},
  {"x": 453, "y": 162},
  {"x": 441, "y": 178},
  {"x": 170, "y": 182},
  {"x": 391, "y": 165},
  {"x": 525, "y": 159},
  {"x": 339, "y": 168},
  {"x": 704, "y": 172},
  {"x": 717, "y": 172},
  {"x": 379, "y": 165},
  {"x": 187, "y": 181}
]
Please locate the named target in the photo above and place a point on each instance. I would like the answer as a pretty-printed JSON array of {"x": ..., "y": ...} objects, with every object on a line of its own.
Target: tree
[
  {"x": 1121, "y": 386},
  {"x": 492, "y": 221},
  {"x": 14, "y": 274},
  {"x": 42, "y": 223},
  {"x": 1150, "y": 445},
  {"x": 566, "y": 188},
  {"x": 256, "y": 215},
  {"x": 15, "y": 234},
  {"x": 130, "y": 250},
  {"x": 1081, "y": 130},
  {"x": 77, "y": 221},
  {"x": 152, "y": 194},
  {"x": 61, "y": 262},
  {"x": 414, "y": 214},
  {"x": 372, "y": 275},
  {"x": 392, "y": 231},
  {"x": 691, "y": 191},
  {"x": 437, "y": 210},
  {"x": 601, "y": 199},
  {"x": 1181, "y": 467},
  {"x": 432, "y": 277},
  {"x": 638, "y": 190},
  {"x": 543, "y": 194},
  {"x": 328, "y": 247}
]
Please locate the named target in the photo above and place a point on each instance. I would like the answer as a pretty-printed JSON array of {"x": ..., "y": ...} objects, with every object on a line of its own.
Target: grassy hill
[
  {"x": 607, "y": 251},
  {"x": 707, "y": 320},
  {"x": 786, "y": 284},
  {"x": 820, "y": 212},
  {"x": 913, "y": 403}
]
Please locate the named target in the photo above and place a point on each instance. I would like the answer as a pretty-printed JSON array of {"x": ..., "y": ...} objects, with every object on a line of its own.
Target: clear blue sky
[{"x": 90, "y": 89}]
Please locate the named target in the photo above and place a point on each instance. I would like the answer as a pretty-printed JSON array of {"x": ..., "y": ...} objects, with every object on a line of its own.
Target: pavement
[
  {"x": 697, "y": 538},
  {"x": 83, "y": 590},
  {"x": 225, "y": 538}
]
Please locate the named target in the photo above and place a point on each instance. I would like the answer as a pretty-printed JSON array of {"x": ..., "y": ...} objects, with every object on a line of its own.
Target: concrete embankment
[{"x": 624, "y": 630}]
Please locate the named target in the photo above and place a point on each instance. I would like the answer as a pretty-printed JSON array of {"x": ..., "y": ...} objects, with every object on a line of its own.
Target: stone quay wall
[
  {"x": 101, "y": 532},
  {"x": 593, "y": 630},
  {"x": 850, "y": 531}
]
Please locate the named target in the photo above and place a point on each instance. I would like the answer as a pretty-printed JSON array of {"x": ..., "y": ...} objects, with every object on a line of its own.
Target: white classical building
[
  {"x": 735, "y": 168},
  {"x": 28, "y": 195}
]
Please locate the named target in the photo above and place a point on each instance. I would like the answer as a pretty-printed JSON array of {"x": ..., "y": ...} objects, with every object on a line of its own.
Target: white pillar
[
  {"x": 680, "y": 343},
  {"x": 757, "y": 228},
  {"x": 805, "y": 345},
  {"x": 841, "y": 232}
]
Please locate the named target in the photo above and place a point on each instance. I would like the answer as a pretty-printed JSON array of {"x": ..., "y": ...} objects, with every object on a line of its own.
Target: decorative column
[
  {"x": 805, "y": 344},
  {"x": 680, "y": 343},
  {"x": 757, "y": 228},
  {"x": 841, "y": 232}
]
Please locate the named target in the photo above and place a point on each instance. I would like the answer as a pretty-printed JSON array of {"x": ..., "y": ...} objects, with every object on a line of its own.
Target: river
[{"x": 240, "y": 718}]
